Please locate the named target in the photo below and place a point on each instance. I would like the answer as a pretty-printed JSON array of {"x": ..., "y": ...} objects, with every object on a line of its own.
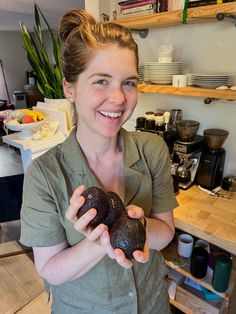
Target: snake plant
[{"x": 48, "y": 72}]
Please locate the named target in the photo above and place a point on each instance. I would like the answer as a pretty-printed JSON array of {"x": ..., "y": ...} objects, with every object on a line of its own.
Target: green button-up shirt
[{"x": 49, "y": 183}]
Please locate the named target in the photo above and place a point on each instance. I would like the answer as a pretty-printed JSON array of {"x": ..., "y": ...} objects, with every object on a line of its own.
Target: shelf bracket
[
  {"x": 142, "y": 32},
  {"x": 209, "y": 100},
  {"x": 228, "y": 16}
]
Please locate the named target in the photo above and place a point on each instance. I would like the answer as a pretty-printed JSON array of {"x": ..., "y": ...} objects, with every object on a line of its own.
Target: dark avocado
[
  {"x": 116, "y": 208},
  {"x": 95, "y": 198},
  {"x": 128, "y": 234}
]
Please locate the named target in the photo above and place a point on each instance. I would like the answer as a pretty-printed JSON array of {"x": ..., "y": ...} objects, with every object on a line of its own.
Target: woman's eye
[
  {"x": 131, "y": 83},
  {"x": 101, "y": 82}
]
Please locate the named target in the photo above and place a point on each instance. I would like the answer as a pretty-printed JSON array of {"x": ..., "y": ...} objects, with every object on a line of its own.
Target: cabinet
[
  {"x": 214, "y": 220},
  {"x": 194, "y": 15}
]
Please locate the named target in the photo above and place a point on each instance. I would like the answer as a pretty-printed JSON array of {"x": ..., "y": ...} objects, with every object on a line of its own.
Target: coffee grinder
[
  {"x": 187, "y": 152},
  {"x": 211, "y": 166}
]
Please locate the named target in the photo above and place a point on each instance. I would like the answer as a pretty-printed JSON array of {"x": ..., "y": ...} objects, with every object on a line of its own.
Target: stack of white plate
[
  {"x": 161, "y": 73},
  {"x": 141, "y": 73},
  {"x": 212, "y": 80}
]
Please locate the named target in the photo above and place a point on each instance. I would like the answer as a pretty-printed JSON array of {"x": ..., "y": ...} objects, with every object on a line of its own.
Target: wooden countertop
[{"x": 208, "y": 217}]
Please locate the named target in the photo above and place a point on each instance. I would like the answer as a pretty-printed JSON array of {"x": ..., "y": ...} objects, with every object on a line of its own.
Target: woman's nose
[{"x": 117, "y": 96}]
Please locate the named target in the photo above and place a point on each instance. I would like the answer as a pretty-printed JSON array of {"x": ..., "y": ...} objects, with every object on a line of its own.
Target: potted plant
[{"x": 48, "y": 71}]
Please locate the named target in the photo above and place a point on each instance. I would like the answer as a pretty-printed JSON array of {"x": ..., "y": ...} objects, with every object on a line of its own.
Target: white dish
[
  {"x": 160, "y": 82},
  {"x": 161, "y": 63},
  {"x": 24, "y": 126}
]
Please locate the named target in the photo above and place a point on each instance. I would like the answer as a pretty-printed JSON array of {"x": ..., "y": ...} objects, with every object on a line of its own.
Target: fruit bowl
[
  {"x": 23, "y": 126},
  {"x": 25, "y": 129},
  {"x": 25, "y": 121}
]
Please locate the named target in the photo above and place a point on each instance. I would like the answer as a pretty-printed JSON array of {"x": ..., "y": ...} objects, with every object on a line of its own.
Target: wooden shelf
[
  {"x": 188, "y": 91},
  {"x": 194, "y": 15},
  {"x": 189, "y": 303},
  {"x": 170, "y": 255}
]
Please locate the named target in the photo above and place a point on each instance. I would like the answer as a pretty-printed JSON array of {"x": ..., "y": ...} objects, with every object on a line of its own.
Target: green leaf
[{"x": 48, "y": 70}]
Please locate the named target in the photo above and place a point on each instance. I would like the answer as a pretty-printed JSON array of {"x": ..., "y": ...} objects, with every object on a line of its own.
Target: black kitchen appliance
[
  {"x": 211, "y": 166},
  {"x": 186, "y": 159}
]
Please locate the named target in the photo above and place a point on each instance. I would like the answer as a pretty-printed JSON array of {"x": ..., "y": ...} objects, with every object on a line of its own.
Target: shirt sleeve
[
  {"x": 40, "y": 223},
  {"x": 163, "y": 198}
]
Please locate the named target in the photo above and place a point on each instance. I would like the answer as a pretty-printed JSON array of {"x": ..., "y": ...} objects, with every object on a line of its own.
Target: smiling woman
[
  {"x": 100, "y": 63},
  {"x": 112, "y": 89}
]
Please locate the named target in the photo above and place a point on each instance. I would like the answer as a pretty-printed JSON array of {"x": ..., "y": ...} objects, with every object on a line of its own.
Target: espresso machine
[
  {"x": 187, "y": 153},
  {"x": 184, "y": 145},
  {"x": 211, "y": 166},
  {"x": 185, "y": 161}
]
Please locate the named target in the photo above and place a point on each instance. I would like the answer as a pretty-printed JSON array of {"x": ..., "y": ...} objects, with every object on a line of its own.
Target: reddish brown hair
[{"x": 81, "y": 34}]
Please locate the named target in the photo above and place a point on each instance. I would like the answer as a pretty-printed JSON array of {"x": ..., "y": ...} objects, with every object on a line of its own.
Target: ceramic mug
[
  {"x": 185, "y": 245},
  {"x": 179, "y": 80}
]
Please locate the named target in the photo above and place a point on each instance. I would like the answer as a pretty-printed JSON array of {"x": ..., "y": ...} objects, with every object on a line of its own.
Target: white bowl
[
  {"x": 25, "y": 129},
  {"x": 23, "y": 126}
]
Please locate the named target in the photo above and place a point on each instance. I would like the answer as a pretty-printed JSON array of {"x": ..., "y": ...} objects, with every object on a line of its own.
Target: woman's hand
[
  {"x": 101, "y": 231},
  {"x": 140, "y": 256},
  {"x": 137, "y": 212},
  {"x": 81, "y": 224}
]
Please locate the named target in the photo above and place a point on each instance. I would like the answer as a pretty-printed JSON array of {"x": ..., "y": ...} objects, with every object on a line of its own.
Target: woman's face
[{"x": 105, "y": 94}]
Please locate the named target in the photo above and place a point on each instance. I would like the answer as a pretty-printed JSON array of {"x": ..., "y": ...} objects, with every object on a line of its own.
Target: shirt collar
[{"x": 77, "y": 163}]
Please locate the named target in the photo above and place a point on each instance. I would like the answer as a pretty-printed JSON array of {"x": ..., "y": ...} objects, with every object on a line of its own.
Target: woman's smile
[{"x": 111, "y": 114}]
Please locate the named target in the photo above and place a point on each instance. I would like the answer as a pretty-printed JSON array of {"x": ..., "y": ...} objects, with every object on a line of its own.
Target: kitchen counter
[{"x": 208, "y": 217}]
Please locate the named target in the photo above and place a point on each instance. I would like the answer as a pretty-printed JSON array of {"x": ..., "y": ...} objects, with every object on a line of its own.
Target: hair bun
[{"x": 74, "y": 19}]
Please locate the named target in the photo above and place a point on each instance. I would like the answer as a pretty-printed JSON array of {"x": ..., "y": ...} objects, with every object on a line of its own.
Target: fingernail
[
  {"x": 92, "y": 212},
  {"x": 117, "y": 253},
  {"x": 101, "y": 227},
  {"x": 131, "y": 212}
]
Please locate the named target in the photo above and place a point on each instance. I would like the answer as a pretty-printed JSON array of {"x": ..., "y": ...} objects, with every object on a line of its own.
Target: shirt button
[{"x": 131, "y": 294}]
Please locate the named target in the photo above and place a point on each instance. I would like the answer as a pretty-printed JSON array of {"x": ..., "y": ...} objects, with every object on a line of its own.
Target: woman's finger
[
  {"x": 81, "y": 224},
  {"x": 105, "y": 242},
  {"x": 76, "y": 201},
  {"x": 71, "y": 213},
  {"x": 142, "y": 256},
  {"x": 94, "y": 234},
  {"x": 77, "y": 195},
  {"x": 135, "y": 211},
  {"x": 122, "y": 260}
]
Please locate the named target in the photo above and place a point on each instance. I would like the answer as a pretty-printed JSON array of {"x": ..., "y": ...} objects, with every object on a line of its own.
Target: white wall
[
  {"x": 204, "y": 48},
  {"x": 15, "y": 63}
]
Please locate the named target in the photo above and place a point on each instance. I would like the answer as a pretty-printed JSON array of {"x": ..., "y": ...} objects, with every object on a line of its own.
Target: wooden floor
[{"x": 21, "y": 288}]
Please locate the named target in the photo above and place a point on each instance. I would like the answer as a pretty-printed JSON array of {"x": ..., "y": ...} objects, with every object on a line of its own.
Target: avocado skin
[
  {"x": 115, "y": 210},
  {"x": 128, "y": 234},
  {"x": 95, "y": 198}
]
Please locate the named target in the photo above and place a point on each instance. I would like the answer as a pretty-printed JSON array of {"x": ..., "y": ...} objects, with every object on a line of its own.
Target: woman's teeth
[{"x": 111, "y": 114}]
